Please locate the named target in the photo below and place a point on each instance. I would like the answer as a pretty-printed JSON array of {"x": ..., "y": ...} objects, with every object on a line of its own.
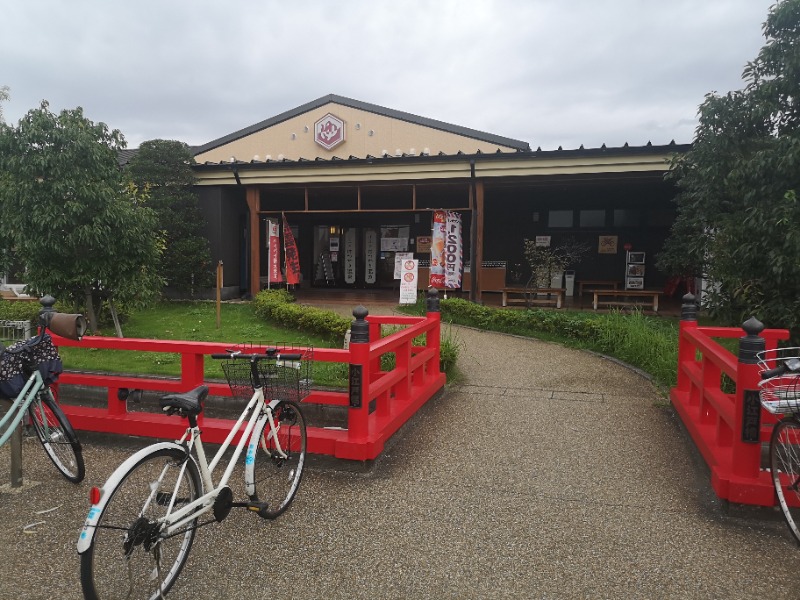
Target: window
[
  {"x": 592, "y": 218},
  {"x": 625, "y": 217},
  {"x": 559, "y": 218}
]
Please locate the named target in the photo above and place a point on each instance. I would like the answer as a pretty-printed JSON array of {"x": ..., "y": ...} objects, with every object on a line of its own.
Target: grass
[{"x": 192, "y": 321}]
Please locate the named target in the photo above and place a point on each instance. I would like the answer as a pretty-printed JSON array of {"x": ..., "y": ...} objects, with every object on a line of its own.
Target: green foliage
[
  {"x": 738, "y": 216},
  {"x": 163, "y": 170},
  {"x": 650, "y": 344},
  {"x": 69, "y": 214},
  {"x": 20, "y": 311},
  {"x": 279, "y": 306}
]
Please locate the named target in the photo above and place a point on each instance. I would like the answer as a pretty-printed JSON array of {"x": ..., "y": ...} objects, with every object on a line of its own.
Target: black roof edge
[
  {"x": 367, "y": 107},
  {"x": 671, "y": 148}
]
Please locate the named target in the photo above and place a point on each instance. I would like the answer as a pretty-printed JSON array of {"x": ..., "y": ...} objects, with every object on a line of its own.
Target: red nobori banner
[
  {"x": 274, "y": 246},
  {"x": 447, "y": 260},
  {"x": 437, "y": 249},
  {"x": 292, "y": 259}
]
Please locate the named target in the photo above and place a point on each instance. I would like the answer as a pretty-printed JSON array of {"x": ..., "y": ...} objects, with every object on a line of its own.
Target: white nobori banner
[
  {"x": 370, "y": 255},
  {"x": 350, "y": 256}
]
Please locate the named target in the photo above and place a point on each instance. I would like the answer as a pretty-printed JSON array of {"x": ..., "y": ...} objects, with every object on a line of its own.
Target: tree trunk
[
  {"x": 90, "y": 310},
  {"x": 115, "y": 317}
]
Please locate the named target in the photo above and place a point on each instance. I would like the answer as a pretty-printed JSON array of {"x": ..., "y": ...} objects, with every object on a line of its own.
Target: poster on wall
[
  {"x": 607, "y": 244},
  {"x": 408, "y": 281},
  {"x": 350, "y": 256},
  {"x": 453, "y": 251},
  {"x": 423, "y": 244},
  {"x": 394, "y": 238},
  {"x": 274, "y": 248},
  {"x": 370, "y": 255}
]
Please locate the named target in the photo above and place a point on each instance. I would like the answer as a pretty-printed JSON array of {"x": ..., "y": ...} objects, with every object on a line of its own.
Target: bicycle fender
[
  {"x": 250, "y": 457},
  {"x": 87, "y": 533}
]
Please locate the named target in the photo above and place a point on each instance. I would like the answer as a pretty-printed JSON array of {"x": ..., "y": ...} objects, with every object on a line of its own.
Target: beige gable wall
[{"x": 294, "y": 139}]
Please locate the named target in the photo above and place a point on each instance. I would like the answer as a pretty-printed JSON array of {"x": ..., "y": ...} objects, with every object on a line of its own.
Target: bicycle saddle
[{"x": 185, "y": 404}]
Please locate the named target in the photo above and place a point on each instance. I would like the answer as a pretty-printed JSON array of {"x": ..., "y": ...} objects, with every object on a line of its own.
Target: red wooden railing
[
  {"x": 728, "y": 428},
  {"x": 377, "y": 402}
]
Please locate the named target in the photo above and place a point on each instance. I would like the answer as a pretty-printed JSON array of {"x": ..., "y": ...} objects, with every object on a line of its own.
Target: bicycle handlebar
[
  {"x": 789, "y": 365},
  {"x": 268, "y": 355}
]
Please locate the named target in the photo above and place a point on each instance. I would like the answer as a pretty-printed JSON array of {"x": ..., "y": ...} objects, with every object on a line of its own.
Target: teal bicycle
[{"x": 27, "y": 369}]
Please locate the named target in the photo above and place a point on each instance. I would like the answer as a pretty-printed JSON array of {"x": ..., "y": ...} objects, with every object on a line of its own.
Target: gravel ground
[{"x": 544, "y": 473}]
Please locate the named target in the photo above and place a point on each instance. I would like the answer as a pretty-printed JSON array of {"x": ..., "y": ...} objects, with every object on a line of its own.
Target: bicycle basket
[
  {"x": 781, "y": 394},
  {"x": 280, "y": 378},
  {"x": 15, "y": 366}
]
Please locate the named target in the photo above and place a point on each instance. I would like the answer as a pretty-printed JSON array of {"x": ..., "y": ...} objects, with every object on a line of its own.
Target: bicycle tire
[
  {"x": 784, "y": 457},
  {"x": 271, "y": 478},
  {"x": 57, "y": 437},
  {"x": 118, "y": 563}
]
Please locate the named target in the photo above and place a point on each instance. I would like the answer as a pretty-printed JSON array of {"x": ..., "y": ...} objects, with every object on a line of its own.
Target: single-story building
[{"x": 345, "y": 171}]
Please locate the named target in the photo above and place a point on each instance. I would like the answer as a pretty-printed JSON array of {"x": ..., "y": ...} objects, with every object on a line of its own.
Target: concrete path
[{"x": 544, "y": 473}]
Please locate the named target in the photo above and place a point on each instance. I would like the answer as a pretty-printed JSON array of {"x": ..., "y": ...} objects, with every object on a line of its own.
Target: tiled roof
[
  {"x": 625, "y": 150},
  {"x": 373, "y": 108}
]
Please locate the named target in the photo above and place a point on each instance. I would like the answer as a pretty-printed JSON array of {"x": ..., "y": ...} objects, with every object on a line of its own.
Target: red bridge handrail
[
  {"x": 728, "y": 427},
  {"x": 377, "y": 402}
]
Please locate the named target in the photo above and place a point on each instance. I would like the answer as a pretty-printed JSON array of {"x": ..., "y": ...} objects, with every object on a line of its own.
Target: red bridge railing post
[
  {"x": 746, "y": 459},
  {"x": 434, "y": 337},
  {"x": 359, "y": 375},
  {"x": 686, "y": 349}
]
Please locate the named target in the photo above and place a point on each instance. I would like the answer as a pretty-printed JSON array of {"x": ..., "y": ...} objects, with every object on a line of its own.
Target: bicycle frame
[
  {"x": 257, "y": 409},
  {"x": 24, "y": 399}
]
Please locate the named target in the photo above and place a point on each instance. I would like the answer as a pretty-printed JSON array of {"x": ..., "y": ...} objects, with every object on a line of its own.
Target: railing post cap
[
  {"x": 360, "y": 312},
  {"x": 753, "y": 326}
]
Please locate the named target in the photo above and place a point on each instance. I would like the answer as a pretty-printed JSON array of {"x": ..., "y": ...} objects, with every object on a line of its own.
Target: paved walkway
[{"x": 544, "y": 473}]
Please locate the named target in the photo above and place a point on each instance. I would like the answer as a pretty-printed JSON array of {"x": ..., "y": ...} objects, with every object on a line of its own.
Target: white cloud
[{"x": 545, "y": 71}]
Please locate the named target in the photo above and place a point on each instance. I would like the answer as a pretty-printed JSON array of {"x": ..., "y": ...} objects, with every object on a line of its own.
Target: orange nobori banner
[{"x": 292, "y": 258}]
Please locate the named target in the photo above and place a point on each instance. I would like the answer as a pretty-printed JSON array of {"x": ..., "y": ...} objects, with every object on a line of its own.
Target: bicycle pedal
[{"x": 258, "y": 507}]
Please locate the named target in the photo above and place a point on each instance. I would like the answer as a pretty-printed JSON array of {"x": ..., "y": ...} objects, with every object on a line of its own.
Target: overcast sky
[{"x": 549, "y": 72}]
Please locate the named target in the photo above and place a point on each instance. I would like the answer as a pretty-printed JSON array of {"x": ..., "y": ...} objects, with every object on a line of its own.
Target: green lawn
[{"x": 192, "y": 321}]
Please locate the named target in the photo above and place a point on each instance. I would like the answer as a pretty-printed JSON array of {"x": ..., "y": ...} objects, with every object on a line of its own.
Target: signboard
[
  {"x": 408, "y": 281},
  {"x": 543, "y": 241},
  {"x": 424, "y": 243},
  {"x": 607, "y": 244},
  {"x": 399, "y": 257},
  {"x": 329, "y": 131}
]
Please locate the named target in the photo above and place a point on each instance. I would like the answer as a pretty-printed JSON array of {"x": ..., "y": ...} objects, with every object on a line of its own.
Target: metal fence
[{"x": 11, "y": 331}]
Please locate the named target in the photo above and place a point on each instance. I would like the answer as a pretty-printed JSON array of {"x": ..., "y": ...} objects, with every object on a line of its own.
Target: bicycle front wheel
[
  {"x": 784, "y": 455},
  {"x": 57, "y": 436},
  {"x": 275, "y": 467},
  {"x": 130, "y": 557}
]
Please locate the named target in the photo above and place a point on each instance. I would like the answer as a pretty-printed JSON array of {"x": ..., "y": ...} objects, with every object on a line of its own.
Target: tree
[
  {"x": 4, "y": 96},
  {"x": 78, "y": 225},
  {"x": 738, "y": 222},
  {"x": 163, "y": 169}
]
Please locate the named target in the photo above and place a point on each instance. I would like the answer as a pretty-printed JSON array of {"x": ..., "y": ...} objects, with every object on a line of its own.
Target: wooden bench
[
  {"x": 13, "y": 295},
  {"x": 530, "y": 296},
  {"x": 629, "y": 298},
  {"x": 597, "y": 283}
]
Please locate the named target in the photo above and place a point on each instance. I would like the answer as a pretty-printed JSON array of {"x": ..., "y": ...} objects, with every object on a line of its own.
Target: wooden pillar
[
  {"x": 255, "y": 240},
  {"x": 476, "y": 270}
]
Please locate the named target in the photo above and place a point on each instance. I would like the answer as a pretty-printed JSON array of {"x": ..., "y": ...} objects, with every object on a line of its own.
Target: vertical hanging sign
[
  {"x": 274, "y": 247},
  {"x": 370, "y": 255},
  {"x": 292, "y": 259},
  {"x": 350, "y": 255},
  {"x": 453, "y": 251},
  {"x": 437, "y": 249}
]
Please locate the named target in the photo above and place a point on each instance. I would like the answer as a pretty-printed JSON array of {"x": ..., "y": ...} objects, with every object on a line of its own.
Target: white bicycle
[{"x": 142, "y": 523}]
